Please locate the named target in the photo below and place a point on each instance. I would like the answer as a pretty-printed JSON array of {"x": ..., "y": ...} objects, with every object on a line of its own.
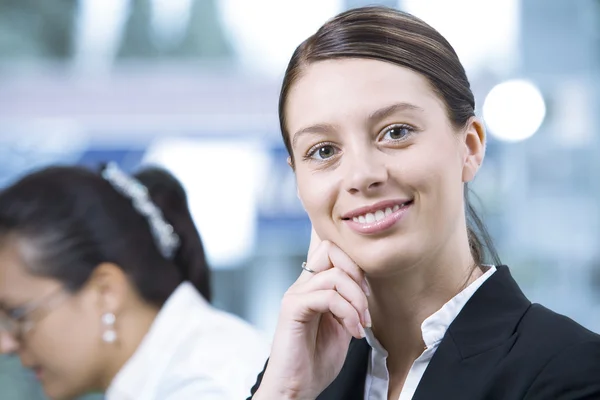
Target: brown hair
[{"x": 396, "y": 37}]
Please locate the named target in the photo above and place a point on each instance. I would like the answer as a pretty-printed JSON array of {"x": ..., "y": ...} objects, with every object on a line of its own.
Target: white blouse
[
  {"x": 433, "y": 330},
  {"x": 192, "y": 351}
]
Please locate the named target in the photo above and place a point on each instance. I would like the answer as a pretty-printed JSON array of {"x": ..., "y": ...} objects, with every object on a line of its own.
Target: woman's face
[
  {"x": 379, "y": 167},
  {"x": 63, "y": 345}
]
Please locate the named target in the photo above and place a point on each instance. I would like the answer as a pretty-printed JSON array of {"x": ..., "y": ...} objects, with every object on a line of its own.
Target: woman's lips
[{"x": 378, "y": 220}]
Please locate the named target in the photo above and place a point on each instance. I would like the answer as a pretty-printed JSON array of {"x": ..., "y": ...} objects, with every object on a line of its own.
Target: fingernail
[
  {"x": 361, "y": 331},
  {"x": 368, "y": 321},
  {"x": 365, "y": 287}
]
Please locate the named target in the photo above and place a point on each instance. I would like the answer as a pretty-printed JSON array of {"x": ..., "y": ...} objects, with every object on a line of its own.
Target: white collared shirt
[
  {"x": 192, "y": 351},
  {"x": 433, "y": 330}
]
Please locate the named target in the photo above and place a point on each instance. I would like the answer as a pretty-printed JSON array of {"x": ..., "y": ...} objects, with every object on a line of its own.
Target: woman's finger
[
  {"x": 338, "y": 280},
  {"x": 305, "y": 306}
]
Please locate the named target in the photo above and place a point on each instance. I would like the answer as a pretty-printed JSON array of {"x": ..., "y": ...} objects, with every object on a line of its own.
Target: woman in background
[{"x": 102, "y": 278}]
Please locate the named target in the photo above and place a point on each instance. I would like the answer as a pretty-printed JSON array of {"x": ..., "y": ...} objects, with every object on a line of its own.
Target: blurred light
[
  {"x": 99, "y": 28},
  {"x": 266, "y": 32},
  {"x": 170, "y": 20},
  {"x": 222, "y": 180},
  {"x": 514, "y": 110}
]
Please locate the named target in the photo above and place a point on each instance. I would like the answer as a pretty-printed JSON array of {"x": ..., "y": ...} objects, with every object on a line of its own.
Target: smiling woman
[
  {"x": 378, "y": 117},
  {"x": 374, "y": 145}
]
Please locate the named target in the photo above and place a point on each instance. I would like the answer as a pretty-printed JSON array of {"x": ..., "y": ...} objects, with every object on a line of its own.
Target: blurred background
[{"x": 192, "y": 85}]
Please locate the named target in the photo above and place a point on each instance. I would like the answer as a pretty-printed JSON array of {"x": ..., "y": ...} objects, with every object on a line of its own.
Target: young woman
[
  {"x": 378, "y": 118},
  {"x": 102, "y": 278}
]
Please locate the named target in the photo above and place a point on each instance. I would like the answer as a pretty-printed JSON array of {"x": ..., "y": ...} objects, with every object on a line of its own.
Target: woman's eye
[
  {"x": 322, "y": 152},
  {"x": 397, "y": 132}
]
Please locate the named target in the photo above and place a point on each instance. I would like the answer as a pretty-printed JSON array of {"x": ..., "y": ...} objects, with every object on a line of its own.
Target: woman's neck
[{"x": 400, "y": 303}]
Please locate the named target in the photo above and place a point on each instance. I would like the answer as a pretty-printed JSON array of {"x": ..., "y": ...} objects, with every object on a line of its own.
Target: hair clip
[{"x": 165, "y": 237}]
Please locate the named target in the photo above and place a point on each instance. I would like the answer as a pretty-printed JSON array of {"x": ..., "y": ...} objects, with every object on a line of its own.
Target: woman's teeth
[{"x": 376, "y": 216}]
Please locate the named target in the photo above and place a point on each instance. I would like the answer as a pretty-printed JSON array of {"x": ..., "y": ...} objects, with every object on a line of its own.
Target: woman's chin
[
  {"x": 382, "y": 266},
  {"x": 384, "y": 270},
  {"x": 383, "y": 257}
]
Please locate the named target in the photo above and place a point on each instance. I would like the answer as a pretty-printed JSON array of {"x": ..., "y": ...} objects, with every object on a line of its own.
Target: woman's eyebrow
[
  {"x": 317, "y": 128},
  {"x": 393, "y": 109}
]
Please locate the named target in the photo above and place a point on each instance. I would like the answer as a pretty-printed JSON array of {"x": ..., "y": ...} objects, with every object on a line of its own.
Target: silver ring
[{"x": 304, "y": 267}]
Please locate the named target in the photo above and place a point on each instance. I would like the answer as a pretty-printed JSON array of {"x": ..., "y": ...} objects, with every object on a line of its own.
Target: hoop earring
[{"x": 109, "y": 335}]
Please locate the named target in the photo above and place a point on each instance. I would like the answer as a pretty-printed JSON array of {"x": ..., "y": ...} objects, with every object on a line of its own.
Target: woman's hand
[{"x": 319, "y": 314}]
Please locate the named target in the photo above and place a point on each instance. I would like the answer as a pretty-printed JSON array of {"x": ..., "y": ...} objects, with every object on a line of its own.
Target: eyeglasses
[{"x": 19, "y": 321}]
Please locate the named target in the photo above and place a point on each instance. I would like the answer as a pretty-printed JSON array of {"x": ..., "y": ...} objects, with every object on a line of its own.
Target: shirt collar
[
  {"x": 435, "y": 326},
  {"x": 160, "y": 343}
]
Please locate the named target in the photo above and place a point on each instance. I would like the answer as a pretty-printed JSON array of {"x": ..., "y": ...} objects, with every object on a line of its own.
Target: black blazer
[{"x": 500, "y": 346}]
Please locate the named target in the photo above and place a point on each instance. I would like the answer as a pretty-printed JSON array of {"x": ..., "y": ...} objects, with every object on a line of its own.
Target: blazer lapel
[
  {"x": 350, "y": 383},
  {"x": 479, "y": 337}
]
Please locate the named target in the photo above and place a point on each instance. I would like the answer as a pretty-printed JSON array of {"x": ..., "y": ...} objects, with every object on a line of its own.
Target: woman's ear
[
  {"x": 474, "y": 149},
  {"x": 110, "y": 286}
]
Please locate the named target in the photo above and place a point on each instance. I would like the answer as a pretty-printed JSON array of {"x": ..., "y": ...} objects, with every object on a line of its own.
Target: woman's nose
[{"x": 365, "y": 172}]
